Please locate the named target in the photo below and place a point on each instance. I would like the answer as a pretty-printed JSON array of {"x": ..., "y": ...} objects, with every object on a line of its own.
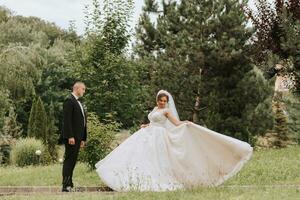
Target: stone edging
[{"x": 48, "y": 189}]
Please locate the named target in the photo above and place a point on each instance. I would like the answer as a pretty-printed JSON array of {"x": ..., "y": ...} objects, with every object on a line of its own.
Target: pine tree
[
  {"x": 257, "y": 93},
  {"x": 292, "y": 103},
  {"x": 201, "y": 49},
  {"x": 37, "y": 126},
  {"x": 52, "y": 135}
]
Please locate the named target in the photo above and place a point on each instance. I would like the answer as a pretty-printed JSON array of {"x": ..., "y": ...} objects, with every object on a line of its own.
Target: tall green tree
[
  {"x": 110, "y": 76},
  {"x": 52, "y": 132},
  {"x": 277, "y": 40},
  {"x": 200, "y": 52},
  {"x": 37, "y": 126},
  {"x": 292, "y": 103}
]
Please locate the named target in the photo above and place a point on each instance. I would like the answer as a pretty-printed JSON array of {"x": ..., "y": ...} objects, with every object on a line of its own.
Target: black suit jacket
[{"x": 73, "y": 123}]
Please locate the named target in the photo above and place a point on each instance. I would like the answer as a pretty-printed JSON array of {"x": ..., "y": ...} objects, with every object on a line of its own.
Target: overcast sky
[{"x": 61, "y": 12}]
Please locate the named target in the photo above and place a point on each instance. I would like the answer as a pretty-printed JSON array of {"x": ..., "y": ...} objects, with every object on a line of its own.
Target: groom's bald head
[
  {"x": 79, "y": 88},
  {"x": 78, "y": 84}
]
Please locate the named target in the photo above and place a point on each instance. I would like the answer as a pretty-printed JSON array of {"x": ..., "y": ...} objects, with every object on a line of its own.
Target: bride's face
[{"x": 162, "y": 102}]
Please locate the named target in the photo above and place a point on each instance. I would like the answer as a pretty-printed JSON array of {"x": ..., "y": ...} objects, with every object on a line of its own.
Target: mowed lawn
[
  {"x": 199, "y": 194},
  {"x": 270, "y": 174}
]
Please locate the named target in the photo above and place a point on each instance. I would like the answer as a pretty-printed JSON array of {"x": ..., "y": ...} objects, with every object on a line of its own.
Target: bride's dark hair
[{"x": 161, "y": 95}]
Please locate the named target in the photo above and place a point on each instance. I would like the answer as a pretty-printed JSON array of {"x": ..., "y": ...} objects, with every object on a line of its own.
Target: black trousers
[{"x": 70, "y": 159}]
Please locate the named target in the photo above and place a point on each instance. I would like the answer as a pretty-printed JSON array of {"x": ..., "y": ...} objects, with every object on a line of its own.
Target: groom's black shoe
[
  {"x": 67, "y": 184},
  {"x": 66, "y": 189}
]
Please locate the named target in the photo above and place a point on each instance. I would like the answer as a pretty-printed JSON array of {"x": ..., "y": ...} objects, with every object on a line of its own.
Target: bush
[
  {"x": 100, "y": 137},
  {"x": 24, "y": 152}
]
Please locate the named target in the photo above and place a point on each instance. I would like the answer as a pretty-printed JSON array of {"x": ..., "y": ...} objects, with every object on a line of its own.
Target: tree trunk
[{"x": 196, "y": 110}]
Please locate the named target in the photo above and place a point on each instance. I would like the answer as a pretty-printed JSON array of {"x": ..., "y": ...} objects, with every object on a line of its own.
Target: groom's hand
[
  {"x": 71, "y": 141},
  {"x": 82, "y": 143}
]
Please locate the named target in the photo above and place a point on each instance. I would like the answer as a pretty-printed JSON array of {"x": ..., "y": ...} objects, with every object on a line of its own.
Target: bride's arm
[{"x": 173, "y": 119}]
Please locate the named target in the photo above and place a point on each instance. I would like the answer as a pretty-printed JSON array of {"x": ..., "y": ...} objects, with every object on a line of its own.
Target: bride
[{"x": 169, "y": 154}]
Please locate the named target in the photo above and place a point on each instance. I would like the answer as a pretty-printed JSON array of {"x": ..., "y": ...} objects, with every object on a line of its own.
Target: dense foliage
[
  {"x": 204, "y": 60},
  {"x": 219, "y": 68}
]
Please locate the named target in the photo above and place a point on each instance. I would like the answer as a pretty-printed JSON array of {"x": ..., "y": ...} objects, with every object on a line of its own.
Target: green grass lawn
[
  {"x": 46, "y": 176},
  {"x": 270, "y": 174},
  {"x": 200, "y": 194},
  {"x": 270, "y": 167}
]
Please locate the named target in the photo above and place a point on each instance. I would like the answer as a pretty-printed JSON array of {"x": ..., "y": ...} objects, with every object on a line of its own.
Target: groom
[{"x": 74, "y": 133}]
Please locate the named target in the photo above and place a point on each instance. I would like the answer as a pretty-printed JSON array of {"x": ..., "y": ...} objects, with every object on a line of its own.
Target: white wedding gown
[{"x": 157, "y": 158}]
